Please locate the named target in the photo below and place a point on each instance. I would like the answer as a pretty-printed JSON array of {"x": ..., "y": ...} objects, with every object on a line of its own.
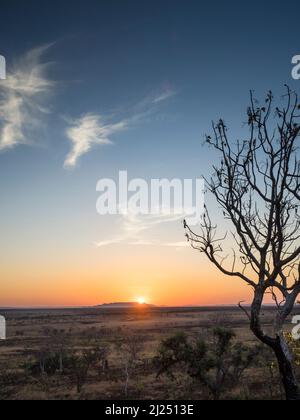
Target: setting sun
[{"x": 141, "y": 301}]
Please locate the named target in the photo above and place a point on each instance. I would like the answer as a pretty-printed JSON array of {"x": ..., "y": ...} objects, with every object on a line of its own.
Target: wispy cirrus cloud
[
  {"x": 22, "y": 99},
  {"x": 166, "y": 94},
  {"x": 133, "y": 229},
  {"x": 92, "y": 129},
  {"x": 87, "y": 131}
]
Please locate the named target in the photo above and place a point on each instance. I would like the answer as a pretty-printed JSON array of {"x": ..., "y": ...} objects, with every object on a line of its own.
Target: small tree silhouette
[
  {"x": 257, "y": 184},
  {"x": 218, "y": 365}
]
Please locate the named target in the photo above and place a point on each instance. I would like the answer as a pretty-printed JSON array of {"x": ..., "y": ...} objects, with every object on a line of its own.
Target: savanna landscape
[
  {"x": 124, "y": 353},
  {"x": 149, "y": 156}
]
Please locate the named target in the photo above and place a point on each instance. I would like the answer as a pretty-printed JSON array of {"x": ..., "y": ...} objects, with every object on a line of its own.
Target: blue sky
[{"x": 155, "y": 73}]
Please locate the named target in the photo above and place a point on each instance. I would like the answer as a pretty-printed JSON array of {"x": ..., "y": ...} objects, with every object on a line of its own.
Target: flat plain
[{"x": 45, "y": 354}]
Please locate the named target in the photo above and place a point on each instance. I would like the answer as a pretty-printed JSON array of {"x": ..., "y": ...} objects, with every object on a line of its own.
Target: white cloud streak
[
  {"x": 133, "y": 228},
  {"x": 94, "y": 130},
  {"x": 22, "y": 98},
  {"x": 87, "y": 131},
  {"x": 22, "y": 103},
  {"x": 165, "y": 95}
]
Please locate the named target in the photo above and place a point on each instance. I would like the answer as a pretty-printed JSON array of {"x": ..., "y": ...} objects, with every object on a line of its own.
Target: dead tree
[{"x": 257, "y": 186}]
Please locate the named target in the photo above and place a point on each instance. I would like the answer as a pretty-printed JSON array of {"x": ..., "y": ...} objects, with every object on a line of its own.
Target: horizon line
[{"x": 150, "y": 306}]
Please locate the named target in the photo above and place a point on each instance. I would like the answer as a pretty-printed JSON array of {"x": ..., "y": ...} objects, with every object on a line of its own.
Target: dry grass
[{"x": 31, "y": 331}]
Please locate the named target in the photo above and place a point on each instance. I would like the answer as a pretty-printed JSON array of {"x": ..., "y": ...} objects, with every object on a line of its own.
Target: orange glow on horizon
[{"x": 176, "y": 279}]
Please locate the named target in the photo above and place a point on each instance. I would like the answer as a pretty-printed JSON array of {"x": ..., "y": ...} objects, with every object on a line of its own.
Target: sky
[{"x": 96, "y": 87}]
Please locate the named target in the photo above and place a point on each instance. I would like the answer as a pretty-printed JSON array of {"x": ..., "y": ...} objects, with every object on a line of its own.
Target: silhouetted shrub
[{"x": 217, "y": 365}]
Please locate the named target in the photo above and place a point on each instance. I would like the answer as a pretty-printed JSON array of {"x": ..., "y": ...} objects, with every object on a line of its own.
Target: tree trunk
[
  {"x": 287, "y": 373},
  {"x": 126, "y": 380},
  {"x": 61, "y": 368},
  {"x": 278, "y": 345}
]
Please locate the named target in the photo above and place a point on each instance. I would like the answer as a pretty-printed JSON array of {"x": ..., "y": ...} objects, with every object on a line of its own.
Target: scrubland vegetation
[{"x": 137, "y": 354}]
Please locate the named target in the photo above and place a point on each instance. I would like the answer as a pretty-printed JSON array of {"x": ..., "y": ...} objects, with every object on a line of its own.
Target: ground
[{"x": 131, "y": 338}]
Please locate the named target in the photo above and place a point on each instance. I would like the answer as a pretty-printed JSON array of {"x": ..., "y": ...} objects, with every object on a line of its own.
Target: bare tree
[
  {"x": 81, "y": 363},
  {"x": 130, "y": 349},
  {"x": 257, "y": 186}
]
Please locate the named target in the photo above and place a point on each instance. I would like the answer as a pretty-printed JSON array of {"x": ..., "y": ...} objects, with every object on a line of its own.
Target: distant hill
[{"x": 125, "y": 305}]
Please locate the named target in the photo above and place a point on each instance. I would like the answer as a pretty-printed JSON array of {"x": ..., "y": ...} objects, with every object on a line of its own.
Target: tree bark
[
  {"x": 287, "y": 373},
  {"x": 278, "y": 345}
]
